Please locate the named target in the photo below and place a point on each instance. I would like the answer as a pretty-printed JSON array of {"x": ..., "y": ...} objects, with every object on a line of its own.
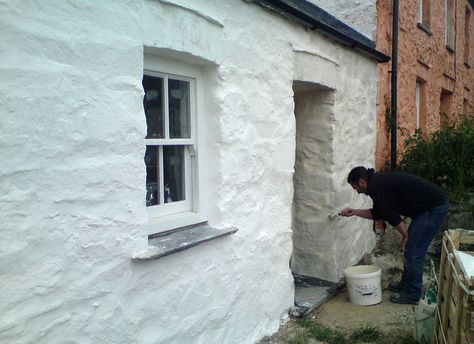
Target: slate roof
[{"x": 316, "y": 18}]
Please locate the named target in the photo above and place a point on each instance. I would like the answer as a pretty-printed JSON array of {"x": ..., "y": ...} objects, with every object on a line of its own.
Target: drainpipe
[{"x": 393, "y": 155}]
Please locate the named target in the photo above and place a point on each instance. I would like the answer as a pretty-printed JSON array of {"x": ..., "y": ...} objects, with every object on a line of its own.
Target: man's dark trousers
[{"x": 421, "y": 232}]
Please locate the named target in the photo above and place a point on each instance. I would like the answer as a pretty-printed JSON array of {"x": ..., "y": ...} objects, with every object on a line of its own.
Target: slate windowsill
[
  {"x": 424, "y": 28},
  {"x": 166, "y": 243},
  {"x": 450, "y": 49}
]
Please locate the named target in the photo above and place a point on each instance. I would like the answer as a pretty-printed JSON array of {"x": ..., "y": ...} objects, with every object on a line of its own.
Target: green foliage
[
  {"x": 407, "y": 339},
  {"x": 401, "y": 338},
  {"x": 299, "y": 338},
  {"x": 338, "y": 337},
  {"x": 320, "y": 332},
  {"x": 366, "y": 334},
  {"x": 445, "y": 157},
  {"x": 304, "y": 322}
]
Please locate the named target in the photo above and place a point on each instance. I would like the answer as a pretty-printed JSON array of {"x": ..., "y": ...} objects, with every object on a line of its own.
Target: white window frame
[
  {"x": 467, "y": 34},
  {"x": 420, "y": 11},
  {"x": 163, "y": 208},
  {"x": 446, "y": 22},
  {"x": 166, "y": 216},
  {"x": 417, "y": 102},
  {"x": 449, "y": 23}
]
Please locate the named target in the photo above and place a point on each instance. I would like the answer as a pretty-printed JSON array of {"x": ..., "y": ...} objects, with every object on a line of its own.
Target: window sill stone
[
  {"x": 166, "y": 243},
  {"x": 425, "y": 28}
]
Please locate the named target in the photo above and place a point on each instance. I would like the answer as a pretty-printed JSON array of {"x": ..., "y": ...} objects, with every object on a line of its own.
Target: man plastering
[{"x": 395, "y": 194}]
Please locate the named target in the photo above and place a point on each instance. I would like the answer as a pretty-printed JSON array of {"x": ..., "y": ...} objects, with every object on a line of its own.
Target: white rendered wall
[
  {"x": 73, "y": 176},
  {"x": 360, "y": 14}
]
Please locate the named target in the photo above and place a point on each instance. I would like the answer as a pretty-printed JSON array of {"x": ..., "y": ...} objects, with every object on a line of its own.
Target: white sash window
[{"x": 171, "y": 105}]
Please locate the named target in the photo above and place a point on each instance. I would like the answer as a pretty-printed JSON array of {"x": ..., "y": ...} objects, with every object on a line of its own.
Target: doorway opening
[{"x": 313, "y": 238}]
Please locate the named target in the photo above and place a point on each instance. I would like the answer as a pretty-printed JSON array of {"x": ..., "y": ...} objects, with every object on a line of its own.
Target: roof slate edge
[{"x": 316, "y": 18}]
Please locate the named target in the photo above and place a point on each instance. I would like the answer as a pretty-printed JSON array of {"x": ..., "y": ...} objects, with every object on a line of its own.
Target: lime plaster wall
[
  {"x": 360, "y": 14},
  {"x": 73, "y": 177}
]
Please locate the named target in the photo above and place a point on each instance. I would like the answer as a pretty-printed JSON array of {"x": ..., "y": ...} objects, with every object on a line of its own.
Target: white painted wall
[
  {"x": 360, "y": 14},
  {"x": 73, "y": 177}
]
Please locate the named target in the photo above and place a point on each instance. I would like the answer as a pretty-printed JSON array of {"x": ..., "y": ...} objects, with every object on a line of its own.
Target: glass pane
[
  {"x": 152, "y": 163},
  {"x": 153, "y": 104},
  {"x": 174, "y": 173},
  {"x": 179, "y": 106}
]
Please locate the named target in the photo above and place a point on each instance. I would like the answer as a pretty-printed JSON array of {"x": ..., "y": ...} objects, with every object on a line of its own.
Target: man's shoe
[
  {"x": 395, "y": 287},
  {"x": 403, "y": 299}
]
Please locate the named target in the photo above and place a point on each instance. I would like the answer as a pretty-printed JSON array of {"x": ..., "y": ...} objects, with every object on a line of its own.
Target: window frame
[
  {"x": 467, "y": 36},
  {"x": 424, "y": 14},
  {"x": 168, "y": 216},
  {"x": 449, "y": 24},
  {"x": 418, "y": 103},
  {"x": 163, "y": 208},
  {"x": 420, "y": 11}
]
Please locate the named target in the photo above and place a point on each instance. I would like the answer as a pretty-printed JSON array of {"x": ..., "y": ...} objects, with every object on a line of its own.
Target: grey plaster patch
[
  {"x": 166, "y": 243},
  {"x": 311, "y": 292}
]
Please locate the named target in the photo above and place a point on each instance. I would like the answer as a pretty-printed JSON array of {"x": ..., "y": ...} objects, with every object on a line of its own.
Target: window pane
[
  {"x": 179, "y": 109},
  {"x": 174, "y": 174},
  {"x": 152, "y": 162},
  {"x": 153, "y": 104}
]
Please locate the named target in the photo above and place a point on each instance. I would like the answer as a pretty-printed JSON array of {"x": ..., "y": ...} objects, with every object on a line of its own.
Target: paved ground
[
  {"x": 338, "y": 313},
  {"x": 394, "y": 320}
]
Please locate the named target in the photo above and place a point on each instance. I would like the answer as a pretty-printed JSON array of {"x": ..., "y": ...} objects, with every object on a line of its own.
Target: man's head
[{"x": 359, "y": 178}]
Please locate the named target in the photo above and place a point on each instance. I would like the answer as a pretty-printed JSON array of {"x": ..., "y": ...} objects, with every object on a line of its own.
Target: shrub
[{"x": 445, "y": 157}]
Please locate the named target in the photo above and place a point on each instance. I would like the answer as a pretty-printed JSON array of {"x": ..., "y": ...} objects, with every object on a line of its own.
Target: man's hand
[
  {"x": 347, "y": 212},
  {"x": 403, "y": 242},
  {"x": 364, "y": 213},
  {"x": 403, "y": 230}
]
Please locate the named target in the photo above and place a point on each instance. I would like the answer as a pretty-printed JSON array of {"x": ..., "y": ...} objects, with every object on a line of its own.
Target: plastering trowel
[{"x": 335, "y": 214}]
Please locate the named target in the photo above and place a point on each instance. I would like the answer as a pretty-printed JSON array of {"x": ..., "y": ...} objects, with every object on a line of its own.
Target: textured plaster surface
[
  {"x": 73, "y": 177},
  {"x": 424, "y": 56},
  {"x": 360, "y": 14}
]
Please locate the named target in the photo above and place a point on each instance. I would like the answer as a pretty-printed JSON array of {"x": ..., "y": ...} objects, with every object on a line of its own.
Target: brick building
[{"x": 435, "y": 67}]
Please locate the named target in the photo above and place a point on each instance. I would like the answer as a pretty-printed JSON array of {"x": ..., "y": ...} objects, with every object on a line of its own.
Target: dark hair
[{"x": 360, "y": 172}]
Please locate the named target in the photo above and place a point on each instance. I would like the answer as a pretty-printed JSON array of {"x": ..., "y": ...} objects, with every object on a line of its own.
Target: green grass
[
  {"x": 364, "y": 334},
  {"x": 338, "y": 337},
  {"x": 304, "y": 322},
  {"x": 320, "y": 332},
  {"x": 299, "y": 338}
]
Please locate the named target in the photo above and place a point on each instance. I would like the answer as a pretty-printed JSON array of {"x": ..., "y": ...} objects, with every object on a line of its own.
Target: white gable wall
[
  {"x": 360, "y": 14},
  {"x": 73, "y": 174}
]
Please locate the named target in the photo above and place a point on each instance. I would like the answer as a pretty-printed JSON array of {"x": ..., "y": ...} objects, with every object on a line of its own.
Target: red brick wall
[{"x": 424, "y": 56}]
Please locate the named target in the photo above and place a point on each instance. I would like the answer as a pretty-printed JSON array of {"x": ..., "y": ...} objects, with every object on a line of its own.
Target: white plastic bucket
[{"x": 364, "y": 284}]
